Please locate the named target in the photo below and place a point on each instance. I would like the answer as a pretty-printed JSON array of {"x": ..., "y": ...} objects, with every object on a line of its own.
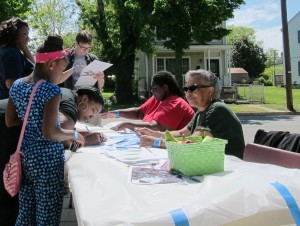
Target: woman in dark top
[
  {"x": 81, "y": 105},
  {"x": 16, "y": 60}
]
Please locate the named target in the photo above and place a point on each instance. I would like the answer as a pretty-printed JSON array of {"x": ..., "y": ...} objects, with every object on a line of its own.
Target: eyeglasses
[
  {"x": 84, "y": 48},
  {"x": 194, "y": 88}
]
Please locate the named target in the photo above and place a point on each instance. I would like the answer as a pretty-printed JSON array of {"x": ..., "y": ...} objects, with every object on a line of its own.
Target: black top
[
  {"x": 13, "y": 65},
  {"x": 219, "y": 119},
  {"x": 67, "y": 104},
  {"x": 88, "y": 57},
  {"x": 3, "y": 104}
]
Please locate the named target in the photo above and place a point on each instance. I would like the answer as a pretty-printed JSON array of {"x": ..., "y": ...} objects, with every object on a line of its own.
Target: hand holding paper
[{"x": 91, "y": 73}]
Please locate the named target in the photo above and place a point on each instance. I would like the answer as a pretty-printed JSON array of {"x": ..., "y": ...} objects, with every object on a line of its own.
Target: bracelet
[
  {"x": 75, "y": 135},
  {"x": 157, "y": 142},
  {"x": 117, "y": 114}
]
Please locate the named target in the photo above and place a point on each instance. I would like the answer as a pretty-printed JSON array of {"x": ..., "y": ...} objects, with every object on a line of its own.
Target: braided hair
[
  {"x": 92, "y": 92},
  {"x": 167, "y": 78}
]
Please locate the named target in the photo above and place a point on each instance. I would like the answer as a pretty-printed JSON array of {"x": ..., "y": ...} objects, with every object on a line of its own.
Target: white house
[
  {"x": 294, "y": 39},
  {"x": 214, "y": 56}
]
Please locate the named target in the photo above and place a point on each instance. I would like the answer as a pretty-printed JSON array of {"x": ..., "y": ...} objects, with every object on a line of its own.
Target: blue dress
[{"x": 41, "y": 194}]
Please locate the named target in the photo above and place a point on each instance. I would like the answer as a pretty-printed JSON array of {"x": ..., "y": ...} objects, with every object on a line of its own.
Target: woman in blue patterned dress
[{"x": 41, "y": 194}]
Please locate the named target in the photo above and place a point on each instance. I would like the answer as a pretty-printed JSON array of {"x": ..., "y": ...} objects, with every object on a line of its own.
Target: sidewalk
[{"x": 266, "y": 111}]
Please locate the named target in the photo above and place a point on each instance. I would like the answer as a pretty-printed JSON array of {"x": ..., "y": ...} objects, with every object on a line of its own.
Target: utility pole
[
  {"x": 274, "y": 69},
  {"x": 287, "y": 57}
]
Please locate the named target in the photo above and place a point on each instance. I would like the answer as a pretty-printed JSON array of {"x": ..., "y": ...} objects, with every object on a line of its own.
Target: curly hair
[
  {"x": 9, "y": 31},
  {"x": 92, "y": 92}
]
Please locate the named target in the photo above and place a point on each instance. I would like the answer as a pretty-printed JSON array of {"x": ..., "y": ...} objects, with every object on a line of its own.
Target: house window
[
  {"x": 298, "y": 36},
  {"x": 299, "y": 68},
  {"x": 164, "y": 63},
  {"x": 160, "y": 64}
]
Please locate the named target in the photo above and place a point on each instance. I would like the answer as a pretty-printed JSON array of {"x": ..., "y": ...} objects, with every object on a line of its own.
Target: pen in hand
[{"x": 88, "y": 130}]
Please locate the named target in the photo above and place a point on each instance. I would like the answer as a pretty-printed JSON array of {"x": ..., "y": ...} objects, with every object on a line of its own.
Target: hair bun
[{"x": 54, "y": 40}]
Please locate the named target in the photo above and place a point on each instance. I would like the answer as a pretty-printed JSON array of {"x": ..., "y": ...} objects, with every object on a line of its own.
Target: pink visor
[{"x": 45, "y": 57}]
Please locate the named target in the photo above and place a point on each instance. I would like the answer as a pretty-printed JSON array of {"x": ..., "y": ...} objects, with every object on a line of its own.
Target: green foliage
[
  {"x": 265, "y": 79},
  {"x": 17, "y": 8},
  {"x": 53, "y": 16},
  {"x": 249, "y": 56},
  {"x": 239, "y": 32},
  {"x": 273, "y": 57},
  {"x": 125, "y": 26},
  {"x": 179, "y": 22}
]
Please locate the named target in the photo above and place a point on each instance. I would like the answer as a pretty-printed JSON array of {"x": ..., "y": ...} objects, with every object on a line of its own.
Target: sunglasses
[{"x": 193, "y": 88}]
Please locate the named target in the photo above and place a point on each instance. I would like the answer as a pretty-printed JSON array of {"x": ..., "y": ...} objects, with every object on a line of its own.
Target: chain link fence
[{"x": 247, "y": 93}]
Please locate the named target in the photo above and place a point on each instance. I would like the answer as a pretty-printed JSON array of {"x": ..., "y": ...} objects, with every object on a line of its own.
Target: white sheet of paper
[
  {"x": 87, "y": 74},
  {"x": 86, "y": 80}
]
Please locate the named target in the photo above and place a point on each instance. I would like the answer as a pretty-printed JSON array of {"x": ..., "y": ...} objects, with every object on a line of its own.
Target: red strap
[{"x": 27, "y": 113}]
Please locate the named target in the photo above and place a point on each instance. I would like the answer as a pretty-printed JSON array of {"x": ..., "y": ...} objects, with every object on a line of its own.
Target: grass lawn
[{"x": 274, "y": 97}]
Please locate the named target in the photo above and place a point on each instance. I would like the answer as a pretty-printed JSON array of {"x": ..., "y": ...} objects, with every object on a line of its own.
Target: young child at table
[{"x": 41, "y": 194}]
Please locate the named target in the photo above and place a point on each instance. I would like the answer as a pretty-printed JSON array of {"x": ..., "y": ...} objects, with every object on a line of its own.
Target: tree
[
  {"x": 53, "y": 16},
  {"x": 17, "y": 8},
  {"x": 125, "y": 26},
  {"x": 180, "y": 22},
  {"x": 249, "y": 56},
  {"x": 239, "y": 32},
  {"x": 272, "y": 57}
]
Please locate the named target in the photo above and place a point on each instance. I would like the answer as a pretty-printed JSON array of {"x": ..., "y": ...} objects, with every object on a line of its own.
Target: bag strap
[{"x": 27, "y": 114}]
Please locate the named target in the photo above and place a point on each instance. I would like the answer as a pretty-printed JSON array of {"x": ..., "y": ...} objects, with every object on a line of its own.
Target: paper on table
[
  {"x": 145, "y": 175},
  {"x": 87, "y": 74}
]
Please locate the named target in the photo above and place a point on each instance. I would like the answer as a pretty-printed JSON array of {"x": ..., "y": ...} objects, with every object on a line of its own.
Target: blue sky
[{"x": 265, "y": 18}]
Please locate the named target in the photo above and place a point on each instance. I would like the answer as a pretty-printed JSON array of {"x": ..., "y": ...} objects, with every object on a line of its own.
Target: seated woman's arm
[
  {"x": 148, "y": 137},
  {"x": 130, "y": 113},
  {"x": 151, "y": 125}
]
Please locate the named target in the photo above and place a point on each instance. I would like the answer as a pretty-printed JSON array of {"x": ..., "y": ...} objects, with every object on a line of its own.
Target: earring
[{"x": 86, "y": 106}]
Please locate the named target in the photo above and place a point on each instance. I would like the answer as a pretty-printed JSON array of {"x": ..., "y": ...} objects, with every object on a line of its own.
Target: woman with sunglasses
[{"x": 213, "y": 117}]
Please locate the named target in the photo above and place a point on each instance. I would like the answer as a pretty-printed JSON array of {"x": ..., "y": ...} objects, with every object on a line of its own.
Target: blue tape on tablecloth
[
  {"x": 290, "y": 201},
  {"x": 179, "y": 217}
]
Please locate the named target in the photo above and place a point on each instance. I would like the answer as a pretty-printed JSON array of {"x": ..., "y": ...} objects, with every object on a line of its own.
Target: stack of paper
[{"x": 133, "y": 156}]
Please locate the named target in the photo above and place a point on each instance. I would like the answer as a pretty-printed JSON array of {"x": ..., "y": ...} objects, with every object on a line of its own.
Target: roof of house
[
  {"x": 238, "y": 70},
  {"x": 294, "y": 17}
]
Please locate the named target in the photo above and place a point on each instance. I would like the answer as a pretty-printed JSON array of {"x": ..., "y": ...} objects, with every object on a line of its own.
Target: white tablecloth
[{"x": 242, "y": 195}]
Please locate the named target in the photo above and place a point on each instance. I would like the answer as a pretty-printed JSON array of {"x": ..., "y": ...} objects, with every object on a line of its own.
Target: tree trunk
[
  {"x": 125, "y": 71},
  {"x": 178, "y": 68},
  {"x": 287, "y": 58}
]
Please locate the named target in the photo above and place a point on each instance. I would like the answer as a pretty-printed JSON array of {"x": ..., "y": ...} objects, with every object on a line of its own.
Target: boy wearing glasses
[{"x": 79, "y": 58}]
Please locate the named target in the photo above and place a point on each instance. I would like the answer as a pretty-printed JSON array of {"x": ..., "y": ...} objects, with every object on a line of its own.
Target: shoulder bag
[{"x": 12, "y": 174}]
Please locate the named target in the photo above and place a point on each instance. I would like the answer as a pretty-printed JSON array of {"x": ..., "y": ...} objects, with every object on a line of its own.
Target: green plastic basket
[{"x": 195, "y": 159}]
